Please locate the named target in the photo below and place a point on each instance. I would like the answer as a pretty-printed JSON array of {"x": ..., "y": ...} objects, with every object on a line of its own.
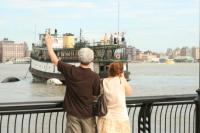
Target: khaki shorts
[{"x": 81, "y": 125}]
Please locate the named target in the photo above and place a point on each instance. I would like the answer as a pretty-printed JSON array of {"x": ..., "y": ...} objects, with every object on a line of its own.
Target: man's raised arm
[{"x": 49, "y": 43}]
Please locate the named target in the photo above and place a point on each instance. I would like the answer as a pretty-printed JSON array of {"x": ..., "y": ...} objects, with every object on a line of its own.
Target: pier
[{"x": 152, "y": 114}]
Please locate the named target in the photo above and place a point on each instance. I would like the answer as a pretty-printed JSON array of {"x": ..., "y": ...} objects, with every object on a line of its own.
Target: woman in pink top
[{"x": 116, "y": 88}]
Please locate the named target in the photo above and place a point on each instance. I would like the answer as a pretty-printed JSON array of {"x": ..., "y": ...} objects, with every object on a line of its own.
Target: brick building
[
  {"x": 195, "y": 53},
  {"x": 9, "y": 50}
]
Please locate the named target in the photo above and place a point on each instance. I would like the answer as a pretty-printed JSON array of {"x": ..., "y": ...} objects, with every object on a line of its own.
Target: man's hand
[
  {"x": 49, "y": 43},
  {"x": 48, "y": 40}
]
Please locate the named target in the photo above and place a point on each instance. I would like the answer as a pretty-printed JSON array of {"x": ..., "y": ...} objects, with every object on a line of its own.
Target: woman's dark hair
[{"x": 116, "y": 69}]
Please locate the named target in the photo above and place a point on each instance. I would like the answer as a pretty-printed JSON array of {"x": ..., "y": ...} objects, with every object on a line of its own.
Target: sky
[{"x": 149, "y": 24}]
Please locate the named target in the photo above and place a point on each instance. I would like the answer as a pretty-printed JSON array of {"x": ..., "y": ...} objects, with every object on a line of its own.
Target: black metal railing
[
  {"x": 153, "y": 114},
  {"x": 162, "y": 114}
]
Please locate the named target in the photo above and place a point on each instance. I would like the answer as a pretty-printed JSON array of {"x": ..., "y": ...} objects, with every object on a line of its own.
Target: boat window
[
  {"x": 107, "y": 67},
  {"x": 101, "y": 68}
]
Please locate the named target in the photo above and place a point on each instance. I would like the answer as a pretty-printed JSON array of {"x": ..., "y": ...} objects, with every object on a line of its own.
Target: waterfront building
[
  {"x": 146, "y": 56},
  {"x": 185, "y": 51},
  {"x": 131, "y": 53},
  {"x": 9, "y": 50},
  {"x": 195, "y": 53},
  {"x": 169, "y": 53},
  {"x": 138, "y": 55},
  {"x": 176, "y": 52}
]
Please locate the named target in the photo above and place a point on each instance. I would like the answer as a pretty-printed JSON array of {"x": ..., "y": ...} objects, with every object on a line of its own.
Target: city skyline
[{"x": 155, "y": 25}]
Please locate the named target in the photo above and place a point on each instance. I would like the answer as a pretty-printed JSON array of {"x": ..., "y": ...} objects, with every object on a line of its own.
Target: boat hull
[
  {"x": 43, "y": 76},
  {"x": 42, "y": 71}
]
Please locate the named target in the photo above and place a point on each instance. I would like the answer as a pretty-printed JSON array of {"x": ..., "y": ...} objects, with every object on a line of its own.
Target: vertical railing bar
[
  {"x": 175, "y": 119},
  {"x": 166, "y": 118},
  {"x": 197, "y": 102},
  {"x": 170, "y": 126},
  {"x": 161, "y": 117},
  {"x": 50, "y": 122},
  {"x": 185, "y": 118},
  {"x": 152, "y": 116},
  {"x": 29, "y": 123},
  {"x": 8, "y": 123},
  {"x": 155, "y": 117},
  {"x": 189, "y": 117},
  {"x": 36, "y": 120},
  {"x": 43, "y": 122},
  {"x": 63, "y": 122},
  {"x": 56, "y": 122},
  {"x": 15, "y": 123},
  {"x": 129, "y": 110},
  {"x": 133, "y": 117},
  {"x": 22, "y": 126},
  {"x": 1, "y": 123},
  {"x": 151, "y": 110},
  {"x": 194, "y": 118},
  {"x": 180, "y": 119}
]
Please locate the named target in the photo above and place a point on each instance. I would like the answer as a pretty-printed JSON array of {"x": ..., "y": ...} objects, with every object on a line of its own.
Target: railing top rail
[
  {"x": 39, "y": 105},
  {"x": 161, "y": 98},
  {"x": 32, "y": 102},
  {"x": 36, "y": 106},
  {"x": 129, "y": 100}
]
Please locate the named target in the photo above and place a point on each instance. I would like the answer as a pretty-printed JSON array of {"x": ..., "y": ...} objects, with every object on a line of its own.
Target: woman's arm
[
  {"x": 49, "y": 43},
  {"x": 128, "y": 89}
]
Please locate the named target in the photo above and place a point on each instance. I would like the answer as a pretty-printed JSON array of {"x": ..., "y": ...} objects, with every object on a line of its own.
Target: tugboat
[{"x": 66, "y": 48}]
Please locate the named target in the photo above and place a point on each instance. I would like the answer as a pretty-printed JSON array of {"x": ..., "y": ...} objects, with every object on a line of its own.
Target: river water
[{"x": 146, "y": 79}]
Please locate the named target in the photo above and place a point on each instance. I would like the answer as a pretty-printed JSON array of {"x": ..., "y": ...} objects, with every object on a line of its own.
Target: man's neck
[{"x": 85, "y": 66}]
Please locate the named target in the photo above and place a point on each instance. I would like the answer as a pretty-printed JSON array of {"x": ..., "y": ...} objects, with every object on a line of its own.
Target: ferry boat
[{"x": 66, "y": 48}]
